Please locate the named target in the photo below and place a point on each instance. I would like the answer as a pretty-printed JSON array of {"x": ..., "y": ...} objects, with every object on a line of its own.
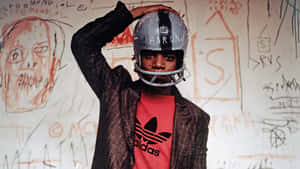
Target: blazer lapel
[
  {"x": 129, "y": 100},
  {"x": 180, "y": 140}
]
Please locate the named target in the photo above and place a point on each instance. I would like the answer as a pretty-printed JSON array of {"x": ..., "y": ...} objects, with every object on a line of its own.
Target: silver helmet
[{"x": 160, "y": 31}]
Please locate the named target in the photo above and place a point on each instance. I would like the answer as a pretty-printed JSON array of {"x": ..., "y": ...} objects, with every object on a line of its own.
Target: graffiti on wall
[{"x": 30, "y": 55}]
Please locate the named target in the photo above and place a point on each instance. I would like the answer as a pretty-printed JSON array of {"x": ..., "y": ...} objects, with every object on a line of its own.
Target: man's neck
[{"x": 157, "y": 90}]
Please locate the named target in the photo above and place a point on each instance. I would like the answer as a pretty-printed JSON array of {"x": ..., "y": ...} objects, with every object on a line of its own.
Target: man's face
[
  {"x": 26, "y": 66},
  {"x": 157, "y": 61}
]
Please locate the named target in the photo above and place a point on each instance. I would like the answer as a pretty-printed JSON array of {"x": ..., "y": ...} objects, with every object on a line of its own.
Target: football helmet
[{"x": 160, "y": 31}]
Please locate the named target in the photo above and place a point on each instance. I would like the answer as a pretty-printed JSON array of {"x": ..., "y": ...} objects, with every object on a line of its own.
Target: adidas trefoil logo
[{"x": 147, "y": 136}]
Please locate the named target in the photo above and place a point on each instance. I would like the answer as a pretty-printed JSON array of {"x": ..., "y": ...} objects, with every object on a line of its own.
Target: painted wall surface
[{"x": 241, "y": 65}]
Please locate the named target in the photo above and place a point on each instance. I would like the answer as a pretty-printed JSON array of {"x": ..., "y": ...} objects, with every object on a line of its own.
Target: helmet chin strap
[
  {"x": 161, "y": 84},
  {"x": 152, "y": 82},
  {"x": 153, "y": 79}
]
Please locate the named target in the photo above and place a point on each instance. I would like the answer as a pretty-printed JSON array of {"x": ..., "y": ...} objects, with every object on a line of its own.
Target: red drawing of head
[{"x": 30, "y": 55}]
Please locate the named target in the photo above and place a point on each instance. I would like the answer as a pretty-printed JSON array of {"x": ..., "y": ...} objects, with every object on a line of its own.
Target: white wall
[{"x": 242, "y": 67}]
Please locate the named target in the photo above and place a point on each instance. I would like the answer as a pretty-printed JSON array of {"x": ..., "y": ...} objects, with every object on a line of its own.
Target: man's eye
[
  {"x": 15, "y": 56},
  {"x": 40, "y": 49},
  {"x": 170, "y": 57}
]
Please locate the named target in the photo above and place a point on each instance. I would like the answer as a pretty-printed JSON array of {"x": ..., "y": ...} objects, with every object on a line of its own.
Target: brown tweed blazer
[{"x": 118, "y": 96}]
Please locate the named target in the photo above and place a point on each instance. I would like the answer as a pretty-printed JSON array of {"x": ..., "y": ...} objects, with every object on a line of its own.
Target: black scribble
[
  {"x": 284, "y": 94},
  {"x": 262, "y": 31},
  {"x": 248, "y": 32},
  {"x": 5, "y": 165},
  {"x": 186, "y": 11},
  {"x": 29, "y": 159},
  {"x": 48, "y": 165},
  {"x": 281, "y": 21},
  {"x": 285, "y": 103},
  {"x": 46, "y": 160},
  {"x": 264, "y": 44},
  {"x": 60, "y": 152},
  {"x": 287, "y": 85},
  {"x": 294, "y": 21},
  {"x": 229, "y": 164},
  {"x": 15, "y": 160},
  {"x": 262, "y": 164},
  {"x": 73, "y": 154},
  {"x": 278, "y": 63},
  {"x": 256, "y": 63},
  {"x": 278, "y": 130},
  {"x": 291, "y": 113},
  {"x": 85, "y": 149},
  {"x": 82, "y": 7},
  {"x": 266, "y": 60},
  {"x": 269, "y": 8}
]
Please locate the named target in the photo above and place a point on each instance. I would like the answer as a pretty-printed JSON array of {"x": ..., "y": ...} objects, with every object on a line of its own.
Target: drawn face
[{"x": 27, "y": 66}]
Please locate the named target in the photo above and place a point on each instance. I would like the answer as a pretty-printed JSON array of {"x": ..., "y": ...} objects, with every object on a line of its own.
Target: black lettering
[
  {"x": 150, "y": 150},
  {"x": 82, "y": 7},
  {"x": 270, "y": 59},
  {"x": 262, "y": 58},
  {"x": 143, "y": 147}
]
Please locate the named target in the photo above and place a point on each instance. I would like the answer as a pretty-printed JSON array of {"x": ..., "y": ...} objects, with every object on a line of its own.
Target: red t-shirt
[{"x": 154, "y": 130}]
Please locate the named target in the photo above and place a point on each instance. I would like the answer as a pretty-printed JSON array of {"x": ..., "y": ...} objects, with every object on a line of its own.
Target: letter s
[{"x": 221, "y": 77}]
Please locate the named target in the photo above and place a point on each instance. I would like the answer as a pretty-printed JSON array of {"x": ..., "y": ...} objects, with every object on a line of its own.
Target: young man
[{"x": 144, "y": 124}]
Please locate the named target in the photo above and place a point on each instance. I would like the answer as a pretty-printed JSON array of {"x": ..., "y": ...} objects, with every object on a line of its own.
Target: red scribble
[
  {"x": 216, "y": 66},
  {"x": 125, "y": 38},
  {"x": 47, "y": 12},
  {"x": 88, "y": 128},
  {"x": 18, "y": 128},
  {"x": 56, "y": 130},
  {"x": 196, "y": 89},
  {"x": 232, "y": 6},
  {"x": 231, "y": 123},
  {"x": 231, "y": 38}
]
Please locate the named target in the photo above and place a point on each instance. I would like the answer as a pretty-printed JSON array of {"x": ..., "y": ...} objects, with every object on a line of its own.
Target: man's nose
[{"x": 159, "y": 61}]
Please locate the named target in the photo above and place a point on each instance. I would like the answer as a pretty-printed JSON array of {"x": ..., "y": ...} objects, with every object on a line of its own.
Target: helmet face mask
[{"x": 160, "y": 32}]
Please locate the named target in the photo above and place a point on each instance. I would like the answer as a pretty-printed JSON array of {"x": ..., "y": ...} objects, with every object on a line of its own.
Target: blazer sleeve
[
  {"x": 86, "y": 46},
  {"x": 201, "y": 147}
]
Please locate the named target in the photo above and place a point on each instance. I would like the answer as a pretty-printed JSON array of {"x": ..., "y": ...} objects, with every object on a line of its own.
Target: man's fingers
[
  {"x": 163, "y": 7},
  {"x": 140, "y": 11}
]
